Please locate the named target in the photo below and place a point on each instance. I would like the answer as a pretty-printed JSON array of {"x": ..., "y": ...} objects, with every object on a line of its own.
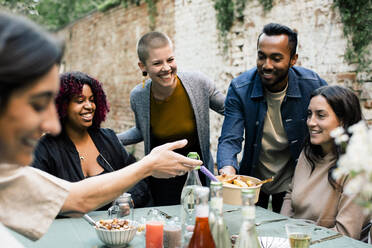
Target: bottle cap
[
  {"x": 215, "y": 183},
  {"x": 194, "y": 155},
  {"x": 248, "y": 191}
]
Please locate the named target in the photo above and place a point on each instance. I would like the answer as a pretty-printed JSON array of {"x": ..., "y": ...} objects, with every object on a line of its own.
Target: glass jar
[
  {"x": 122, "y": 207},
  {"x": 172, "y": 233}
]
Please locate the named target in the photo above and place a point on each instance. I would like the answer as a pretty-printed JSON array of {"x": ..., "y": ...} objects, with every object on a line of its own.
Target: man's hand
[{"x": 228, "y": 170}]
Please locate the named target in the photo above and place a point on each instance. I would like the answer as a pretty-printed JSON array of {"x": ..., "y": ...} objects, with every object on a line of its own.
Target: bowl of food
[
  {"x": 116, "y": 232},
  {"x": 232, "y": 185}
]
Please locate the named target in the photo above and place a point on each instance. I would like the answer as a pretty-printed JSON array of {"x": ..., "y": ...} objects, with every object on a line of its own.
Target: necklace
[{"x": 82, "y": 158}]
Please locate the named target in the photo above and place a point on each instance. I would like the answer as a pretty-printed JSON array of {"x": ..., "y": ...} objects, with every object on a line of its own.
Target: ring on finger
[{"x": 187, "y": 165}]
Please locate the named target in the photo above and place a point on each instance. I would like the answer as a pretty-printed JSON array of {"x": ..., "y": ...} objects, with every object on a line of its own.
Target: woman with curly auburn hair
[
  {"x": 83, "y": 149},
  {"x": 72, "y": 84}
]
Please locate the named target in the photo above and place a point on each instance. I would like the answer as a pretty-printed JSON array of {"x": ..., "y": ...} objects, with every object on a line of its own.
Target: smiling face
[
  {"x": 321, "y": 120},
  {"x": 29, "y": 113},
  {"x": 80, "y": 110},
  {"x": 161, "y": 66},
  {"x": 273, "y": 61}
]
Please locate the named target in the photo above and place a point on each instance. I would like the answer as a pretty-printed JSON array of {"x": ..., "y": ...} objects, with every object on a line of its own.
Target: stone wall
[{"x": 103, "y": 45}]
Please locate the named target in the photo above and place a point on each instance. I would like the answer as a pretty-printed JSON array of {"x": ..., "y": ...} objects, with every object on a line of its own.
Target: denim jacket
[{"x": 245, "y": 111}]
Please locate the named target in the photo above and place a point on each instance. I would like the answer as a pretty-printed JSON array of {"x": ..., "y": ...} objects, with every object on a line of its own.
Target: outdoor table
[{"x": 77, "y": 233}]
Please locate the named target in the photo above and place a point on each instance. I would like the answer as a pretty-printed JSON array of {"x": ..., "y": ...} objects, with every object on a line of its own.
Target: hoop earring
[{"x": 144, "y": 73}]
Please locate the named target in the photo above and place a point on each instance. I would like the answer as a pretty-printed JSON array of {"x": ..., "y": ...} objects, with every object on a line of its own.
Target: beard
[{"x": 278, "y": 83}]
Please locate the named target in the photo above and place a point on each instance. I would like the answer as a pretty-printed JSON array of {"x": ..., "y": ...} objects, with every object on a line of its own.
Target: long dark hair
[
  {"x": 346, "y": 106},
  {"x": 27, "y": 53}
]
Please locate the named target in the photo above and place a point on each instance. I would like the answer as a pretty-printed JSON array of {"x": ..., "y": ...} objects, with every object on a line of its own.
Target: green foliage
[
  {"x": 227, "y": 11},
  {"x": 106, "y": 5},
  {"x": 152, "y": 11},
  {"x": 53, "y": 14},
  {"x": 151, "y": 7},
  {"x": 225, "y": 15},
  {"x": 267, "y": 5},
  {"x": 357, "y": 19},
  {"x": 21, "y": 7}
]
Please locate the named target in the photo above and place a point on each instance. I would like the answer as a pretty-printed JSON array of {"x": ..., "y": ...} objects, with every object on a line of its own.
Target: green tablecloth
[{"x": 77, "y": 233}]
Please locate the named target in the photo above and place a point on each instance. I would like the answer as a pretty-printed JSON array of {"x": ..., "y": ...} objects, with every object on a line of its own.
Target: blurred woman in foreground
[
  {"x": 314, "y": 194},
  {"x": 29, "y": 198}
]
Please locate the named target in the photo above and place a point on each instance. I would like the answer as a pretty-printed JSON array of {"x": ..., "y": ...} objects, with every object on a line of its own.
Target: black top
[
  {"x": 166, "y": 192},
  {"x": 58, "y": 156}
]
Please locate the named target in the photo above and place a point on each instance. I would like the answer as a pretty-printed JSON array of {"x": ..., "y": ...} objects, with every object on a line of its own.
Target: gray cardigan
[{"x": 202, "y": 94}]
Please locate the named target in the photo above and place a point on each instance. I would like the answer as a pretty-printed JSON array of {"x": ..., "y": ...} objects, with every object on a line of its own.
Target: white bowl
[
  {"x": 232, "y": 193},
  {"x": 117, "y": 238}
]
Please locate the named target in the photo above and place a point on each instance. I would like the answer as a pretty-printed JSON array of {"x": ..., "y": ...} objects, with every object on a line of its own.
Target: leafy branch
[
  {"x": 357, "y": 19},
  {"x": 227, "y": 11},
  {"x": 151, "y": 7}
]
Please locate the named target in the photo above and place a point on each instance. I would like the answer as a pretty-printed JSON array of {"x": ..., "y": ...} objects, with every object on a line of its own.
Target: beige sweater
[
  {"x": 311, "y": 196},
  {"x": 30, "y": 199}
]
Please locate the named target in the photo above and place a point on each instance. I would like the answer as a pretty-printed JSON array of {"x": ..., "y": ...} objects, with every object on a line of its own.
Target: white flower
[
  {"x": 337, "y": 133},
  {"x": 354, "y": 186},
  {"x": 356, "y": 162}
]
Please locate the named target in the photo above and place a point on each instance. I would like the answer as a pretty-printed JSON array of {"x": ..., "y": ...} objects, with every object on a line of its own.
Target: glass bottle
[
  {"x": 216, "y": 222},
  {"x": 188, "y": 201},
  {"x": 248, "y": 234},
  {"x": 202, "y": 236}
]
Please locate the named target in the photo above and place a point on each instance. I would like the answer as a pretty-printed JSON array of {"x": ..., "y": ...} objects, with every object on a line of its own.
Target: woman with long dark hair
[{"x": 314, "y": 194}]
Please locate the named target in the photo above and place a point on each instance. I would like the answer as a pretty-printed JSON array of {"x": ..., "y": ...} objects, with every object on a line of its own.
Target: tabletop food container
[
  {"x": 232, "y": 193},
  {"x": 117, "y": 237}
]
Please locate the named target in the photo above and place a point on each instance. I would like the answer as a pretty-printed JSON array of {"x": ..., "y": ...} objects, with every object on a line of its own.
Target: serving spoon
[
  {"x": 92, "y": 222},
  {"x": 265, "y": 181}
]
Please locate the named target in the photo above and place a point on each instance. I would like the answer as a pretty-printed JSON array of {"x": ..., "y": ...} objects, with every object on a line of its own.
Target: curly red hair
[{"x": 72, "y": 85}]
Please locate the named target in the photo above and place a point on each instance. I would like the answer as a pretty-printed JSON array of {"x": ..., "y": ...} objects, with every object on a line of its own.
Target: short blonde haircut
[{"x": 149, "y": 41}]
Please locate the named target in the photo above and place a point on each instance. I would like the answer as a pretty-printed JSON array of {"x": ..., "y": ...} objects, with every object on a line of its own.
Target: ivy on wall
[
  {"x": 227, "y": 11},
  {"x": 151, "y": 7},
  {"x": 356, "y": 15},
  {"x": 357, "y": 19}
]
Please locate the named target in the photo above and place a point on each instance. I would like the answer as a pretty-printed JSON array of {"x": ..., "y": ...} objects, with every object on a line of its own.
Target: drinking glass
[
  {"x": 299, "y": 234},
  {"x": 154, "y": 229}
]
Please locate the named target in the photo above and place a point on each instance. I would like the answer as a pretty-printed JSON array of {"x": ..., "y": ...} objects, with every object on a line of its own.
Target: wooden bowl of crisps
[{"x": 232, "y": 185}]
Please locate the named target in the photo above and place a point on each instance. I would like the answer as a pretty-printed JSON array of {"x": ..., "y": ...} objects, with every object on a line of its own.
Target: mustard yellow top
[{"x": 173, "y": 119}]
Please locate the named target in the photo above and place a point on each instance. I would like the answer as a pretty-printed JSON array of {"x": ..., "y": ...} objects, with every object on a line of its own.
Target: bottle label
[
  {"x": 202, "y": 211},
  {"x": 249, "y": 212},
  {"x": 216, "y": 203}
]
